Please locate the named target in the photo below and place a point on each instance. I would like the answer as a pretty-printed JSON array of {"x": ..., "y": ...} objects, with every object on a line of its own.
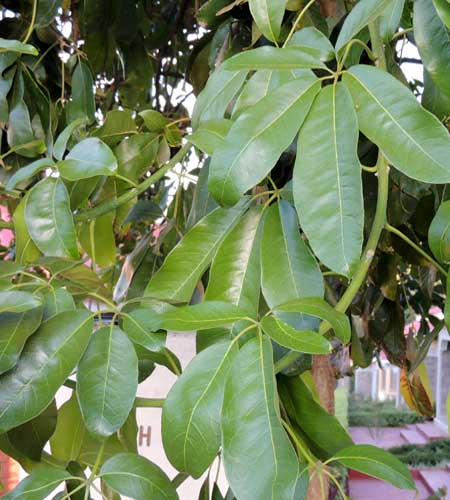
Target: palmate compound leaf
[
  {"x": 327, "y": 180},
  {"x": 47, "y": 360},
  {"x": 257, "y": 139},
  {"x": 258, "y": 457},
  {"x": 411, "y": 138},
  {"x": 191, "y": 412}
]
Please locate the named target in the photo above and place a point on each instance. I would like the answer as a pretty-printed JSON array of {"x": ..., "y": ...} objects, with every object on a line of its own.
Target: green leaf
[
  {"x": 142, "y": 325},
  {"x": 57, "y": 300},
  {"x": 191, "y": 412},
  {"x": 89, "y": 158},
  {"x": 363, "y": 13},
  {"x": 289, "y": 270},
  {"x": 211, "y": 314},
  {"x": 26, "y": 250},
  {"x": 320, "y": 309},
  {"x": 433, "y": 99},
  {"x": 107, "y": 381},
  {"x": 137, "y": 478},
  {"x": 16, "y": 301},
  {"x": 321, "y": 431},
  {"x": 268, "y": 16},
  {"x": 47, "y": 360},
  {"x": 274, "y": 58},
  {"x": 143, "y": 211},
  {"x": 257, "y": 139},
  {"x": 186, "y": 263},
  {"x": 49, "y": 220},
  {"x": 67, "y": 440},
  {"x": 28, "y": 172},
  {"x": 97, "y": 239},
  {"x": 82, "y": 103},
  {"x": 60, "y": 146},
  {"x": 209, "y": 135},
  {"x": 327, "y": 180},
  {"x": 16, "y": 46},
  {"x": 254, "y": 444},
  {"x": 433, "y": 41},
  {"x": 297, "y": 340},
  {"x": 154, "y": 120},
  {"x": 15, "y": 328},
  {"x": 38, "y": 485},
  {"x": 213, "y": 100},
  {"x": 118, "y": 124},
  {"x": 443, "y": 9},
  {"x": 202, "y": 202},
  {"x": 412, "y": 139},
  {"x": 314, "y": 39},
  {"x": 136, "y": 154},
  {"x": 439, "y": 233},
  {"x": 377, "y": 463},
  {"x": 390, "y": 20}
]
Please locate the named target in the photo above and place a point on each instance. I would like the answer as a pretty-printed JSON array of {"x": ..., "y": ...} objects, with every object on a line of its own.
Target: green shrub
[
  {"x": 428, "y": 455},
  {"x": 368, "y": 413}
]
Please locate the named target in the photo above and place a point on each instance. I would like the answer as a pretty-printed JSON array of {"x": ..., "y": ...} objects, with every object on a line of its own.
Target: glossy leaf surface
[
  {"x": 46, "y": 361},
  {"x": 17, "y": 301},
  {"x": 257, "y": 139},
  {"x": 49, "y": 219},
  {"x": 141, "y": 326},
  {"x": 28, "y": 172},
  {"x": 439, "y": 233},
  {"x": 412, "y": 139},
  {"x": 209, "y": 135},
  {"x": 38, "y": 485},
  {"x": 107, "y": 381},
  {"x": 137, "y": 478},
  {"x": 185, "y": 264},
  {"x": 327, "y": 180},
  {"x": 191, "y": 412},
  {"x": 268, "y": 15}
]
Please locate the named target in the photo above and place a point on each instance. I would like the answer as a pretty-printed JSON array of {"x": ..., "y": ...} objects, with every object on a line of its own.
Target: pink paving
[{"x": 428, "y": 481}]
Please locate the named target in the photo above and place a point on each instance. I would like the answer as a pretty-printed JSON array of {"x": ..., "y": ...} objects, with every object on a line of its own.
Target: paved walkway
[{"x": 428, "y": 481}]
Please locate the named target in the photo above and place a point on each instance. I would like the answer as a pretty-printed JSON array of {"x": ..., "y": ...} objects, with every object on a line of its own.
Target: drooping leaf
[
  {"x": 82, "y": 103},
  {"x": 142, "y": 326},
  {"x": 210, "y": 134},
  {"x": 254, "y": 444},
  {"x": 26, "y": 250},
  {"x": 320, "y": 309},
  {"x": 268, "y": 15},
  {"x": 297, "y": 340},
  {"x": 60, "y": 146},
  {"x": 57, "y": 300},
  {"x": 390, "y": 20},
  {"x": 202, "y": 202},
  {"x": 15, "y": 328},
  {"x": 89, "y": 158},
  {"x": 377, "y": 463},
  {"x": 210, "y": 314},
  {"x": 118, "y": 124},
  {"x": 143, "y": 211},
  {"x": 257, "y": 139},
  {"x": 38, "y": 485},
  {"x": 46, "y": 361},
  {"x": 433, "y": 99},
  {"x": 411, "y": 138},
  {"x": 16, "y": 46},
  {"x": 289, "y": 270},
  {"x": 136, "y": 154},
  {"x": 327, "y": 180},
  {"x": 107, "y": 381},
  {"x": 274, "y": 58},
  {"x": 185, "y": 264},
  {"x": 28, "y": 172},
  {"x": 49, "y": 220},
  {"x": 314, "y": 39},
  {"x": 191, "y": 412},
  {"x": 439, "y": 233},
  {"x": 138, "y": 478},
  {"x": 443, "y": 9},
  {"x": 154, "y": 120},
  {"x": 97, "y": 239},
  {"x": 321, "y": 431},
  {"x": 18, "y": 301},
  {"x": 433, "y": 41},
  {"x": 213, "y": 101},
  {"x": 363, "y": 13}
]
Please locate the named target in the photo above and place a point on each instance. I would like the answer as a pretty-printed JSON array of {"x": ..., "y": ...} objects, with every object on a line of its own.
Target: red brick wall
[{"x": 9, "y": 472}]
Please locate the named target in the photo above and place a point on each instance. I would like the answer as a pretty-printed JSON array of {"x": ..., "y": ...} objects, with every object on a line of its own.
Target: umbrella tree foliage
[{"x": 317, "y": 223}]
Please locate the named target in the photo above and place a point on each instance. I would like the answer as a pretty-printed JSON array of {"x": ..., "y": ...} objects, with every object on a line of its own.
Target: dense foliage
[{"x": 297, "y": 218}]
